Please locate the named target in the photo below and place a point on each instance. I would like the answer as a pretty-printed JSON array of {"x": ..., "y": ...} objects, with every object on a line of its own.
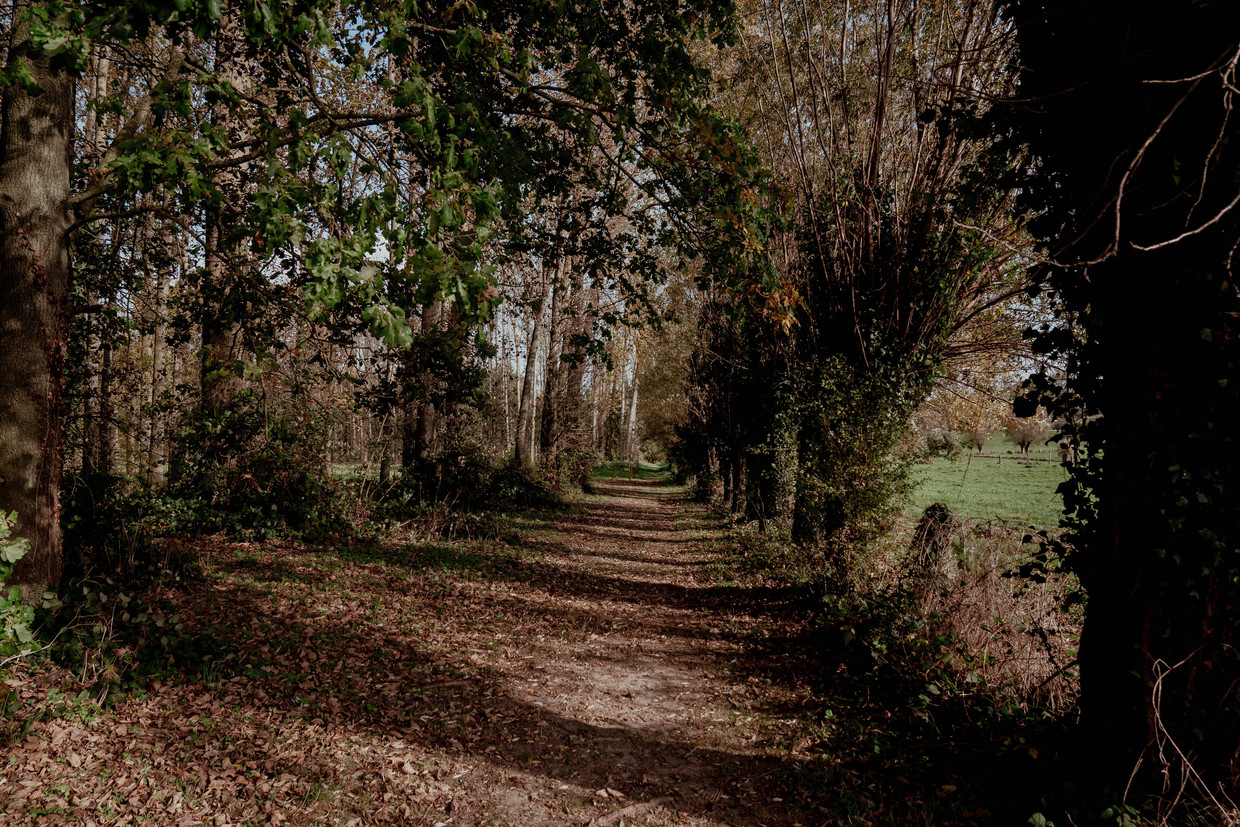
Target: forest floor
[
  {"x": 609, "y": 665},
  {"x": 594, "y": 667}
]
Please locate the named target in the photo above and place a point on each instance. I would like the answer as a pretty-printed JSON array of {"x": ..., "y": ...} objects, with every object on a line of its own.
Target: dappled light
[{"x": 664, "y": 412}]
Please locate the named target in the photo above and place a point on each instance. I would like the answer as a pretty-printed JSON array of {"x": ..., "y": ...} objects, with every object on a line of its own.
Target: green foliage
[
  {"x": 511, "y": 486},
  {"x": 235, "y": 472},
  {"x": 985, "y": 488},
  {"x": 852, "y": 474},
  {"x": 1147, "y": 388},
  {"x": 243, "y": 472},
  {"x": 116, "y": 639},
  {"x": 944, "y": 443},
  {"x": 576, "y": 467},
  {"x": 116, "y": 527},
  {"x": 16, "y": 615},
  {"x": 463, "y": 482}
]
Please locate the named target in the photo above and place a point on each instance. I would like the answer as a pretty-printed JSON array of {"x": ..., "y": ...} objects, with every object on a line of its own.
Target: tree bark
[
  {"x": 551, "y": 421},
  {"x": 36, "y": 144},
  {"x": 157, "y": 453},
  {"x": 1138, "y": 164},
  {"x": 107, "y": 446},
  {"x": 221, "y": 333},
  {"x": 631, "y": 450},
  {"x": 621, "y": 431},
  {"x": 428, "y": 415},
  {"x": 524, "y": 452}
]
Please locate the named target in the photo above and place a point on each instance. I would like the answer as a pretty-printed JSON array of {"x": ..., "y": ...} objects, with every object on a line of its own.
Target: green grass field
[
  {"x": 983, "y": 488},
  {"x": 645, "y": 471}
]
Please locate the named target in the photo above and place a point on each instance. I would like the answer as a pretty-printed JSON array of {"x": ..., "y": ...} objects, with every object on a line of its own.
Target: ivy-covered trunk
[
  {"x": 36, "y": 139},
  {"x": 1159, "y": 662},
  {"x": 1136, "y": 186}
]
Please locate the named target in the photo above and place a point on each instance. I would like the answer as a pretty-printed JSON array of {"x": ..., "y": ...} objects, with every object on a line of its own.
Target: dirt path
[
  {"x": 632, "y": 682},
  {"x": 575, "y": 673}
]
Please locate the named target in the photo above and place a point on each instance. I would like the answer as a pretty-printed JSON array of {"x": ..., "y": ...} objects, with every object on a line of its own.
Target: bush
[
  {"x": 851, "y": 472},
  {"x": 115, "y": 640},
  {"x": 233, "y": 473},
  {"x": 115, "y": 527},
  {"x": 513, "y": 486},
  {"x": 577, "y": 467},
  {"x": 465, "y": 482},
  {"x": 244, "y": 473},
  {"x": 1028, "y": 431},
  {"x": 1014, "y": 619},
  {"x": 705, "y": 484},
  {"x": 944, "y": 443},
  {"x": 15, "y": 614}
]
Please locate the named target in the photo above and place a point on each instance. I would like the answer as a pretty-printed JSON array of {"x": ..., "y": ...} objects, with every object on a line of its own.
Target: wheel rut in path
[{"x": 639, "y": 720}]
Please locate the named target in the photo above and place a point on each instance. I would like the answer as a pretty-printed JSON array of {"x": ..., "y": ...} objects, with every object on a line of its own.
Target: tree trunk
[
  {"x": 157, "y": 445},
  {"x": 1135, "y": 140},
  {"x": 428, "y": 415},
  {"x": 631, "y": 448},
  {"x": 574, "y": 401},
  {"x": 524, "y": 453},
  {"x": 622, "y": 450},
  {"x": 98, "y": 431},
  {"x": 553, "y": 376},
  {"x": 221, "y": 333},
  {"x": 385, "y": 450},
  {"x": 36, "y": 145},
  {"x": 736, "y": 472},
  {"x": 109, "y": 439}
]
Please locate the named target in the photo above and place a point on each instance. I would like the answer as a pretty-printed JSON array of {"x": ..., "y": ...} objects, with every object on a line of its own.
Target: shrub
[
  {"x": 577, "y": 466},
  {"x": 977, "y": 436},
  {"x": 15, "y": 614},
  {"x": 1028, "y": 431},
  {"x": 1013, "y": 619},
  {"x": 851, "y": 471},
  {"x": 114, "y": 639},
  {"x": 115, "y": 527},
  {"x": 244, "y": 473},
  {"x": 465, "y": 482},
  {"x": 941, "y": 442}
]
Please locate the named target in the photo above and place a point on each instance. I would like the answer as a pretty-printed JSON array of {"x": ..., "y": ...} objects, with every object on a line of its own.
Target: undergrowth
[{"x": 940, "y": 676}]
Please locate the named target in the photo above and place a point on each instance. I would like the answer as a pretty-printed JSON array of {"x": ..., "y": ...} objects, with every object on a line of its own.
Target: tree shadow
[{"x": 450, "y": 704}]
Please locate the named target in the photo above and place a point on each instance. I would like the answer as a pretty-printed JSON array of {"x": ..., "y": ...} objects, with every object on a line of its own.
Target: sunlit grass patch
[
  {"x": 644, "y": 471},
  {"x": 989, "y": 487}
]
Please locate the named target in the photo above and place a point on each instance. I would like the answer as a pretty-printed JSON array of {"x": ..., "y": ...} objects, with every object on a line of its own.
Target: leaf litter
[{"x": 597, "y": 673}]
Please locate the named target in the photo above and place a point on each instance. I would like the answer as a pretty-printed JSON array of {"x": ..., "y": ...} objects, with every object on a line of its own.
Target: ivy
[{"x": 16, "y": 615}]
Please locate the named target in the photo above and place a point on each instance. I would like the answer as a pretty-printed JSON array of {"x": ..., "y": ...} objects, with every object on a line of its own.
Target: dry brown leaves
[{"x": 574, "y": 677}]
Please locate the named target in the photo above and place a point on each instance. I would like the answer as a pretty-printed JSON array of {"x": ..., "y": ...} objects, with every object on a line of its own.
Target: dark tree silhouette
[{"x": 1128, "y": 113}]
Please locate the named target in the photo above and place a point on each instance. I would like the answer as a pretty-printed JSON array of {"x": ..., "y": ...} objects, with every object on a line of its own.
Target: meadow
[{"x": 997, "y": 484}]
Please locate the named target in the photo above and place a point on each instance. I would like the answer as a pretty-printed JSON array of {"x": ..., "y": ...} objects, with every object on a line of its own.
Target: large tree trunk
[
  {"x": 428, "y": 414},
  {"x": 621, "y": 444},
  {"x": 157, "y": 450},
  {"x": 109, "y": 440},
  {"x": 36, "y": 144},
  {"x": 222, "y": 347},
  {"x": 1135, "y": 136},
  {"x": 99, "y": 429},
  {"x": 573, "y": 382}
]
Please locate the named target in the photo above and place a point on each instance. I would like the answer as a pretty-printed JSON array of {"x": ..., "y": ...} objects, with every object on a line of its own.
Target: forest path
[
  {"x": 591, "y": 668},
  {"x": 642, "y": 723}
]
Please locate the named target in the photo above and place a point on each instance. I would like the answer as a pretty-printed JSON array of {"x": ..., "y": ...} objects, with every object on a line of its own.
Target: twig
[{"x": 631, "y": 810}]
